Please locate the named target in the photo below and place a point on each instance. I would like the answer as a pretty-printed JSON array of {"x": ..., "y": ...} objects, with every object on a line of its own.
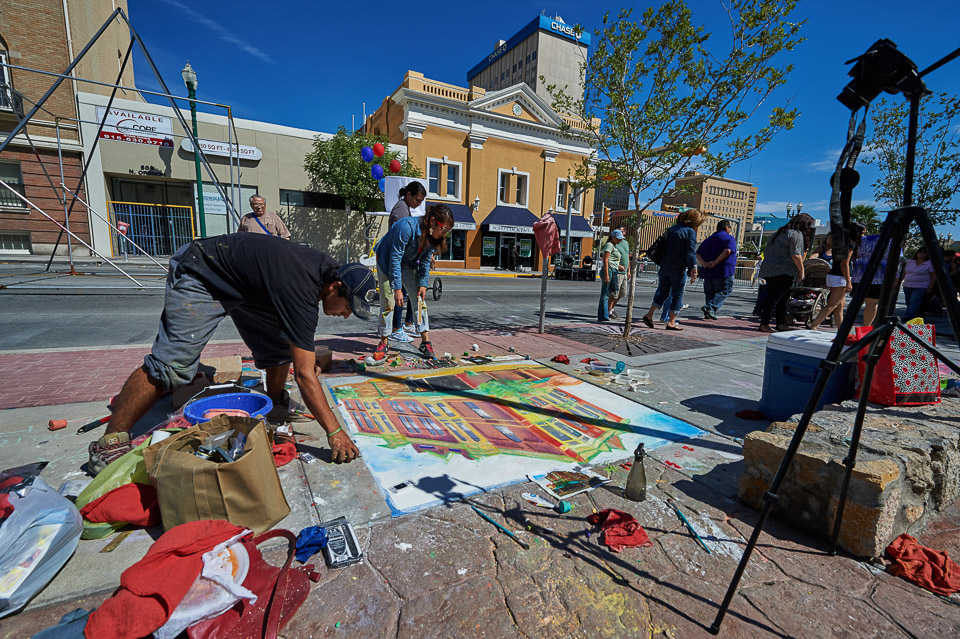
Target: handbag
[
  {"x": 280, "y": 593},
  {"x": 906, "y": 375},
  {"x": 245, "y": 492}
]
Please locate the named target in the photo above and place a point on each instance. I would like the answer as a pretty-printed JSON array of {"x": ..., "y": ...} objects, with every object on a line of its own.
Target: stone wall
[{"x": 908, "y": 469}]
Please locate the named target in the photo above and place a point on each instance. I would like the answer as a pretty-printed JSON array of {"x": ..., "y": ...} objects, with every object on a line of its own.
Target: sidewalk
[{"x": 445, "y": 572}]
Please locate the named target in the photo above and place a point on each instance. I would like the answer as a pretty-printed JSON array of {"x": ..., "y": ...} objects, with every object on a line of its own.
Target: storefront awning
[
  {"x": 462, "y": 216},
  {"x": 579, "y": 227},
  {"x": 510, "y": 219}
]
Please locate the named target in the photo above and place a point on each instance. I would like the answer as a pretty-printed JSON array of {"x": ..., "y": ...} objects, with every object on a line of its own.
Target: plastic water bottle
[{"x": 636, "y": 488}]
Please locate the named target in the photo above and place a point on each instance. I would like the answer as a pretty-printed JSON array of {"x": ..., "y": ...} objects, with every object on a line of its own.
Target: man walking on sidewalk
[
  {"x": 272, "y": 290},
  {"x": 718, "y": 257}
]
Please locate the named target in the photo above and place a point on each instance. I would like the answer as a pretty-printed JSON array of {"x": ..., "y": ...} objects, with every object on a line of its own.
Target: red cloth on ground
[
  {"x": 133, "y": 503},
  {"x": 6, "y": 508},
  {"x": 561, "y": 359},
  {"x": 284, "y": 453},
  {"x": 620, "y": 529},
  {"x": 151, "y": 589},
  {"x": 926, "y": 567}
]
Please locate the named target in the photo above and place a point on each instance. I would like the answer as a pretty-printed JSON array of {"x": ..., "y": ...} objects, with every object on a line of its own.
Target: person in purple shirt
[{"x": 717, "y": 256}]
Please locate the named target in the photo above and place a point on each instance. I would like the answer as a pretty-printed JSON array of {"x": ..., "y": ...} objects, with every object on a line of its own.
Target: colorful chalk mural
[{"x": 440, "y": 435}]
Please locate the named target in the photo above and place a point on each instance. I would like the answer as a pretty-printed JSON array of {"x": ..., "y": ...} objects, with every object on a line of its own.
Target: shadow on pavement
[{"x": 724, "y": 408}]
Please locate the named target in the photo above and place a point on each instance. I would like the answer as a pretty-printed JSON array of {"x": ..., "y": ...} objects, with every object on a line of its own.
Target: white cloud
[{"x": 221, "y": 31}]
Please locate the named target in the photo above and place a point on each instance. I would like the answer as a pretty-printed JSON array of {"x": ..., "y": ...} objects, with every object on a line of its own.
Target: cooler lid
[{"x": 810, "y": 343}]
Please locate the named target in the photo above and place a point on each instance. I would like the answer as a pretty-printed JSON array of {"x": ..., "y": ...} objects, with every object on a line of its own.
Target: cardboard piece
[{"x": 221, "y": 369}]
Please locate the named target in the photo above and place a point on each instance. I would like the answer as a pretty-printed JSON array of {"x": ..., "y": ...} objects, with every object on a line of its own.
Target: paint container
[
  {"x": 606, "y": 368},
  {"x": 475, "y": 347},
  {"x": 563, "y": 507},
  {"x": 622, "y": 379},
  {"x": 638, "y": 377}
]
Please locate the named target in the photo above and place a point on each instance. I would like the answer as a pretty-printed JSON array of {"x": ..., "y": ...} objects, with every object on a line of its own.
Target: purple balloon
[
  {"x": 376, "y": 171},
  {"x": 366, "y": 153}
]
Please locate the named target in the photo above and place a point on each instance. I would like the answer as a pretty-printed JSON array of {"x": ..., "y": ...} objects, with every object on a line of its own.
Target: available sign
[
  {"x": 136, "y": 127},
  {"x": 213, "y": 147}
]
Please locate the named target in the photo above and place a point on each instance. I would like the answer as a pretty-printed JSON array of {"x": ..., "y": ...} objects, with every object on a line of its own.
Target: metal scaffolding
[{"x": 64, "y": 191}]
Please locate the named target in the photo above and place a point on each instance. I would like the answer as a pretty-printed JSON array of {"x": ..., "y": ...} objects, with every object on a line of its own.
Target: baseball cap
[
  {"x": 617, "y": 233},
  {"x": 361, "y": 284}
]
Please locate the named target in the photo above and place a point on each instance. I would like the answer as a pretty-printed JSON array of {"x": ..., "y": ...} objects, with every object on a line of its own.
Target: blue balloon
[
  {"x": 376, "y": 171},
  {"x": 382, "y": 184},
  {"x": 366, "y": 153}
]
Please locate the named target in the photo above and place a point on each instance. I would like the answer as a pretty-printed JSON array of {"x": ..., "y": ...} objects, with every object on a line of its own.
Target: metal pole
[
  {"x": 191, "y": 95},
  {"x": 63, "y": 198},
  {"x": 49, "y": 217},
  {"x": 23, "y": 122},
  {"x": 230, "y": 147},
  {"x": 348, "y": 232},
  {"x": 911, "y": 148},
  {"x": 543, "y": 288}
]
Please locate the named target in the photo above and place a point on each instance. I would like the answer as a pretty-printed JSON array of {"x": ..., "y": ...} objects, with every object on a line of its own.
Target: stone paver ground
[{"x": 446, "y": 572}]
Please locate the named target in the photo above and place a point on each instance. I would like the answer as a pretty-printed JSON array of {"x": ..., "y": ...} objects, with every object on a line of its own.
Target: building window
[
  {"x": 10, "y": 174},
  {"x": 534, "y": 54},
  {"x": 453, "y": 181},
  {"x": 565, "y": 197},
  {"x": 521, "y": 190},
  {"x": 308, "y": 199},
  {"x": 14, "y": 242},
  {"x": 456, "y": 247},
  {"x": 433, "y": 178},
  {"x": 6, "y": 101},
  {"x": 520, "y": 184},
  {"x": 447, "y": 172}
]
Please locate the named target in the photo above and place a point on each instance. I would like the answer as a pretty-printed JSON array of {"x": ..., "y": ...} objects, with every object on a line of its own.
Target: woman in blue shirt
[
  {"x": 403, "y": 259},
  {"x": 679, "y": 262}
]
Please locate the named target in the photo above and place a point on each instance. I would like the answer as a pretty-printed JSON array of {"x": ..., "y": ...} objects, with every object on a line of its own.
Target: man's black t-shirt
[{"x": 265, "y": 272}]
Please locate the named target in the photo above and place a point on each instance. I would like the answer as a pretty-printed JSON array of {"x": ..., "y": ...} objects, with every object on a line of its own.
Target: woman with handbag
[
  {"x": 679, "y": 262},
  {"x": 404, "y": 257},
  {"x": 782, "y": 267}
]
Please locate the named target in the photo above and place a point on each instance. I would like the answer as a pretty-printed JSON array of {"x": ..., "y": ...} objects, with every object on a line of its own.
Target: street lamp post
[
  {"x": 790, "y": 208},
  {"x": 190, "y": 80}
]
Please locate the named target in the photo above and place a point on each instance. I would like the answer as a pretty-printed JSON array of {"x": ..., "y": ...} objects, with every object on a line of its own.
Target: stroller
[{"x": 810, "y": 297}]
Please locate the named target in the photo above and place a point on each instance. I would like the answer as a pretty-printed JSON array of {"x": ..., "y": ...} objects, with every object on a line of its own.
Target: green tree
[
  {"x": 937, "y": 160},
  {"x": 867, "y": 215},
  {"x": 335, "y": 166},
  {"x": 658, "y": 92}
]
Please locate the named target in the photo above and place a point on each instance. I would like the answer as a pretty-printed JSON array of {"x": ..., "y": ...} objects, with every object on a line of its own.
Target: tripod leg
[
  {"x": 876, "y": 349},
  {"x": 947, "y": 291}
]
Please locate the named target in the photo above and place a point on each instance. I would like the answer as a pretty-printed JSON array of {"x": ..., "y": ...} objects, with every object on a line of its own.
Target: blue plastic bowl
[{"x": 255, "y": 404}]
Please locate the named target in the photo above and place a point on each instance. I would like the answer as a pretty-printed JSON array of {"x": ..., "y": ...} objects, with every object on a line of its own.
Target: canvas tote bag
[{"x": 246, "y": 492}]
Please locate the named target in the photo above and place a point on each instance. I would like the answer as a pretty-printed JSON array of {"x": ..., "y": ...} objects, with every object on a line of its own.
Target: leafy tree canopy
[
  {"x": 867, "y": 215},
  {"x": 937, "y": 160},
  {"x": 335, "y": 166}
]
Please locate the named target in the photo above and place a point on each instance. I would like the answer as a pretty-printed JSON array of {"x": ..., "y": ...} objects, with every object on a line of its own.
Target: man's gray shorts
[{"x": 191, "y": 315}]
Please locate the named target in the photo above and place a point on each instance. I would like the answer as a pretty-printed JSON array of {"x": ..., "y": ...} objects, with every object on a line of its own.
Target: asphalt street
[{"x": 68, "y": 311}]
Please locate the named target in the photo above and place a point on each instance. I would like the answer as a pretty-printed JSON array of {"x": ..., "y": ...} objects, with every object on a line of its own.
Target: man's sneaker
[
  {"x": 708, "y": 313},
  {"x": 614, "y": 315},
  {"x": 411, "y": 330},
  {"x": 282, "y": 411},
  {"x": 426, "y": 349},
  {"x": 400, "y": 336},
  {"x": 108, "y": 449}
]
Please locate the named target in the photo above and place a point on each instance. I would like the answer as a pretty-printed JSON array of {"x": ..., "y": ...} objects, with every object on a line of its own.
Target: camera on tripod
[{"x": 882, "y": 67}]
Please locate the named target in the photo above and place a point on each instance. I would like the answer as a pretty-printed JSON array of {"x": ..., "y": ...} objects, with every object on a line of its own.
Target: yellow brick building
[{"x": 498, "y": 159}]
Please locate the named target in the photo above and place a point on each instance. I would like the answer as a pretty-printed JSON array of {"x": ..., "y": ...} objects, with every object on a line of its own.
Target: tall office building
[
  {"x": 719, "y": 197},
  {"x": 546, "y": 47}
]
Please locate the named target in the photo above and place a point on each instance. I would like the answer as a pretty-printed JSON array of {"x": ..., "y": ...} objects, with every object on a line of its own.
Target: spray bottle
[{"x": 636, "y": 487}]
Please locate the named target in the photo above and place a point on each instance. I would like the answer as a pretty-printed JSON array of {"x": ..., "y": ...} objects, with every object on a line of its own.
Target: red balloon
[
  {"x": 395, "y": 166},
  {"x": 378, "y": 149}
]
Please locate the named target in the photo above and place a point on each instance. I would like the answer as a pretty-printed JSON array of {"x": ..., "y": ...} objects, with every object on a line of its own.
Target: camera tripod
[{"x": 890, "y": 243}]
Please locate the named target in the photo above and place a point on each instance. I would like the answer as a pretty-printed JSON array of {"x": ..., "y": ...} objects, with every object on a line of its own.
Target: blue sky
[{"x": 313, "y": 65}]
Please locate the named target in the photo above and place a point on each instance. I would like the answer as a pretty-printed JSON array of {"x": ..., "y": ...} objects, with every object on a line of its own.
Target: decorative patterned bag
[{"x": 906, "y": 375}]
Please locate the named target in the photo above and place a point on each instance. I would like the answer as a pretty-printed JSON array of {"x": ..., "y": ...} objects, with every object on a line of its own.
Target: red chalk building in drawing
[{"x": 483, "y": 412}]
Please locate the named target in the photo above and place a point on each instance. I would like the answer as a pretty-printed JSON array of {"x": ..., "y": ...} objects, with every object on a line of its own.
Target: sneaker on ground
[
  {"x": 282, "y": 411},
  {"x": 400, "y": 336},
  {"x": 614, "y": 315},
  {"x": 411, "y": 330},
  {"x": 108, "y": 449},
  {"x": 427, "y": 350}
]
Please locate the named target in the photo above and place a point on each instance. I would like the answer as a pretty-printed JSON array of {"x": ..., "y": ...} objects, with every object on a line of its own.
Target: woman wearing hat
[{"x": 609, "y": 274}]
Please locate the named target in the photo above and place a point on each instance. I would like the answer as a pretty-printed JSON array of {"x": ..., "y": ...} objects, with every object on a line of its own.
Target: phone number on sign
[{"x": 136, "y": 139}]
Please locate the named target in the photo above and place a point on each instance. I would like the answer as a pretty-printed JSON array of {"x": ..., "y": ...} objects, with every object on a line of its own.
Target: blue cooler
[{"x": 790, "y": 371}]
